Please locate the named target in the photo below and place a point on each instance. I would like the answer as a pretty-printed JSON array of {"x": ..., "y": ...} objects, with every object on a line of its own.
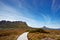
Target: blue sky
[{"x": 36, "y": 13}]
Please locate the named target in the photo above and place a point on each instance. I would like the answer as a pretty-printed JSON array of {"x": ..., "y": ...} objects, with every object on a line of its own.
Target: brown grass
[
  {"x": 54, "y": 34},
  {"x": 11, "y": 34}
]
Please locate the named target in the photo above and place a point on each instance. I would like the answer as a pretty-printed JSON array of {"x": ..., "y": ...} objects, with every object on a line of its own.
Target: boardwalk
[{"x": 23, "y": 36}]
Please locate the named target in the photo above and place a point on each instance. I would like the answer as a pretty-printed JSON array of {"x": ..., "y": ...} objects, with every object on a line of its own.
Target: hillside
[
  {"x": 12, "y": 25},
  {"x": 10, "y": 30}
]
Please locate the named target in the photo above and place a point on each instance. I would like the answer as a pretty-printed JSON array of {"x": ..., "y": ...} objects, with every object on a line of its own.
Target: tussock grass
[
  {"x": 54, "y": 34},
  {"x": 11, "y": 34}
]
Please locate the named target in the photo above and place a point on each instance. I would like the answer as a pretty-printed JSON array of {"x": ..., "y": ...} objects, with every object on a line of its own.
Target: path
[{"x": 23, "y": 36}]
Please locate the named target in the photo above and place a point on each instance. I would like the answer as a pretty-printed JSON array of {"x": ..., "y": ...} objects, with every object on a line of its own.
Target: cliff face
[{"x": 13, "y": 24}]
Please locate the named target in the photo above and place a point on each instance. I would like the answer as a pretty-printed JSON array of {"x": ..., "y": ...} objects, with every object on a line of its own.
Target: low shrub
[{"x": 38, "y": 30}]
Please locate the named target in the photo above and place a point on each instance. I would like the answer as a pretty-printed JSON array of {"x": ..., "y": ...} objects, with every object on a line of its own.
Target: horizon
[
  {"x": 36, "y": 13},
  {"x": 31, "y": 26}
]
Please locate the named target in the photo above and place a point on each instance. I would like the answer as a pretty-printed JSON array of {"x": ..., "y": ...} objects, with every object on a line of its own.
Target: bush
[{"x": 38, "y": 30}]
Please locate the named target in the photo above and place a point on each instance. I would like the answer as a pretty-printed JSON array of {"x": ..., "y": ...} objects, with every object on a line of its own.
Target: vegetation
[
  {"x": 38, "y": 30},
  {"x": 53, "y": 34},
  {"x": 11, "y": 34},
  {"x": 12, "y": 25},
  {"x": 11, "y": 30}
]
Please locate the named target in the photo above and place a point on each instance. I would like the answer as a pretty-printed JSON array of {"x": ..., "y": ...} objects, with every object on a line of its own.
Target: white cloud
[{"x": 9, "y": 13}]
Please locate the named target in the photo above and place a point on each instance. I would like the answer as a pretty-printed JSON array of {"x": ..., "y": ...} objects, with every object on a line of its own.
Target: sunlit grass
[
  {"x": 11, "y": 34},
  {"x": 38, "y": 35}
]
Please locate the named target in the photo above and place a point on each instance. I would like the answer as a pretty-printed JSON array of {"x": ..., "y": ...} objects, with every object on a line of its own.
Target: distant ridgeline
[{"x": 14, "y": 24}]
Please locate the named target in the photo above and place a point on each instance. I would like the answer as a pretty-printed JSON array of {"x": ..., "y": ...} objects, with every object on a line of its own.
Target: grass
[
  {"x": 38, "y": 30},
  {"x": 11, "y": 34},
  {"x": 54, "y": 34},
  {"x": 34, "y": 34},
  {"x": 11, "y": 30}
]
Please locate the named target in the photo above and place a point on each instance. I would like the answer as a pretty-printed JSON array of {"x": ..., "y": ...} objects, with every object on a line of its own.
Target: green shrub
[{"x": 38, "y": 30}]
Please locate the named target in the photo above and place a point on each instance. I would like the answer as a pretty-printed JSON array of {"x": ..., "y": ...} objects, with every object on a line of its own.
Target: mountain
[
  {"x": 46, "y": 28},
  {"x": 12, "y": 24}
]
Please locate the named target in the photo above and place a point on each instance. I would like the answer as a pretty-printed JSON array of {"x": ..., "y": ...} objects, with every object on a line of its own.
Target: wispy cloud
[
  {"x": 47, "y": 18},
  {"x": 21, "y": 10},
  {"x": 55, "y": 6},
  {"x": 9, "y": 13}
]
